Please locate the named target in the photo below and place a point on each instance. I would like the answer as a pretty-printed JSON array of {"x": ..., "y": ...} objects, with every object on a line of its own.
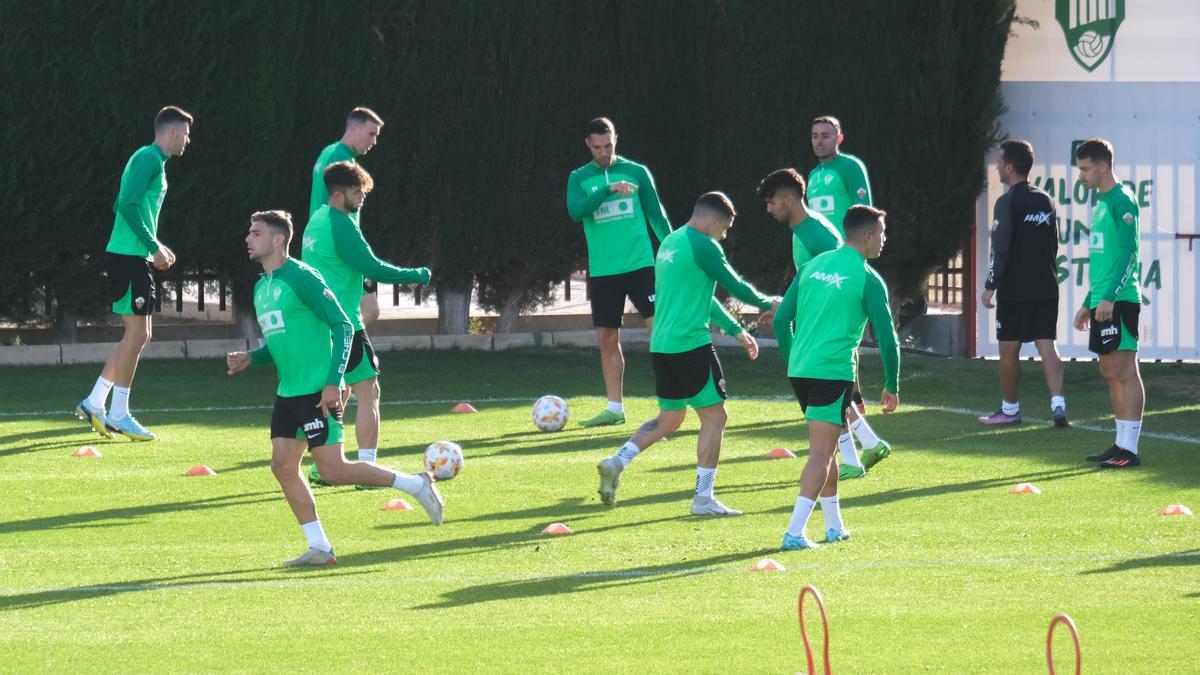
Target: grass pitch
[{"x": 123, "y": 564}]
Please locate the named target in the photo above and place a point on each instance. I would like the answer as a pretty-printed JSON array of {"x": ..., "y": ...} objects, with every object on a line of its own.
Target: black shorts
[
  {"x": 608, "y": 295},
  {"x": 370, "y": 286},
  {"x": 130, "y": 284},
  {"x": 1118, "y": 333},
  {"x": 1026, "y": 320},
  {"x": 690, "y": 378},
  {"x": 300, "y": 417},
  {"x": 363, "y": 364},
  {"x": 823, "y": 400}
]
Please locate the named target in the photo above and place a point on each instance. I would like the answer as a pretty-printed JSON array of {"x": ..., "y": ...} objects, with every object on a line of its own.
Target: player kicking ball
[
  {"x": 308, "y": 337},
  {"x": 839, "y": 293},
  {"x": 687, "y": 372}
]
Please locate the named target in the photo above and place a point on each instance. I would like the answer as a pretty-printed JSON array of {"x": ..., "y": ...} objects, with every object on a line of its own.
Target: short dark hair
[
  {"x": 717, "y": 202},
  {"x": 360, "y": 115},
  {"x": 782, "y": 179},
  {"x": 279, "y": 221},
  {"x": 859, "y": 217},
  {"x": 347, "y": 175},
  {"x": 600, "y": 126},
  {"x": 830, "y": 120},
  {"x": 1019, "y": 154},
  {"x": 171, "y": 115},
  {"x": 1095, "y": 149}
]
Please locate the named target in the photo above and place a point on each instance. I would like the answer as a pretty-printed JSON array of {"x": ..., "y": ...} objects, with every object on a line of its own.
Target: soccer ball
[
  {"x": 550, "y": 413},
  {"x": 1090, "y": 44},
  {"x": 443, "y": 459}
]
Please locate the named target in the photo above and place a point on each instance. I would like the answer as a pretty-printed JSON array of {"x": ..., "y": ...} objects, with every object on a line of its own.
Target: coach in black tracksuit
[{"x": 1022, "y": 273}]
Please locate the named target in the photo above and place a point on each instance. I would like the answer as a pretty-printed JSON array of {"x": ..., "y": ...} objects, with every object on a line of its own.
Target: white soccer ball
[
  {"x": 1090, "y": 44},
  {"x": 550, "y": 413},
  {"x": 443, "y": 459}
]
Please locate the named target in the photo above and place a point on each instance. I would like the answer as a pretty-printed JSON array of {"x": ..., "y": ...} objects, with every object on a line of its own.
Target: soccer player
[
  {"x": 359, "y": 136},
  {"x": 1022, "y": 277},
  {"x": 838, "y": 182},
  {"x": 1110, "y": 309},
  {"x": 133, "y": 253},
  {"x": 687, "y": 372},
  {"x": 334, "y": 245},
  {"x": 839, "y": 293},
  {"x": 812, "y": 235},
  {"x": 614, "y": 198},
  {"x": 308, "y": 338}
]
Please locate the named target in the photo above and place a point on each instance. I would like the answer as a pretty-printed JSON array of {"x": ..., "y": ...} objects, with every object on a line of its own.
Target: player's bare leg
[{"x": 708, "y": 453}]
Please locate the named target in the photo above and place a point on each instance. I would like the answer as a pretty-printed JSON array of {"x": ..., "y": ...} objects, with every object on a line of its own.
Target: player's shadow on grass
[
  {"x": 56, "y": 596},
  {"x": 130, "y": 514},
  {"x": 1178, "y": 559},
  {"x": 593, "y": 580},
  {"x": 78, "y": 434}
]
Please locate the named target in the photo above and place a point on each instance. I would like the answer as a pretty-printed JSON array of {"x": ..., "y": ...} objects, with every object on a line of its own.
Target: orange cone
[
  {"x": 463, "y": 407},
  {"x": 1025, "y": 489},
  {"x": 1177, "y": 510},
  {"x": 396, "y": 505},
  {"x": 201, "y": 470},
  {"x": 780, "y": 453},
  {"x": 86, "y": 451},
  {"x": 766, "y": 565},
  {"x": 557, "y": 528}
]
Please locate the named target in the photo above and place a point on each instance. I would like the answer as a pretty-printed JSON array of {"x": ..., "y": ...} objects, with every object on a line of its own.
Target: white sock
[
  {"x": 626, "y": 454},
  {"x": 315, "y": 534},
  {"x": 849, "y": 452},
  {"x": 1010, "y": 408},
  {"x": 1058, "y": 402},
  {"x": 366, "y": 454},
  {"x": 408, "y": 482},
  {"x": 866, "y": 436},
  {"x": 120, "y": 403},
  {"x": 705, "y": 478},
  {"x": 832, "y": 512},
  {"x": 615, "y": 407},
  {"x": 800, "y": 513},
  {"x": 1128, "y": 432},
  {"x": 99, "y": 393}
]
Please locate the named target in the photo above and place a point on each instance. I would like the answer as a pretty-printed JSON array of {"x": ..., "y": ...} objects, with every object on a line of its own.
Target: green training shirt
[
  {"x": 307, "y": 335},
  {"x": 836, "y": 185},
  {"x": 615, "y": 225},
  {"x": 811, "y": 237},
  {"x": 335, "y": 152},
  {"x": 334, "y": 245},
  {"x": 838, "y": 294},
  {"x": 689, "y": 267},
  {"x": 143, "y": 188},
  {"x": 1113, "y": 247}
]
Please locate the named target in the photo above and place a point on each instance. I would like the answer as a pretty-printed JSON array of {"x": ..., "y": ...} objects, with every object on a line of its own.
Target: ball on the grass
[
  {"x": 443, "y": 459},
  {"x": 550, "y": 413}
]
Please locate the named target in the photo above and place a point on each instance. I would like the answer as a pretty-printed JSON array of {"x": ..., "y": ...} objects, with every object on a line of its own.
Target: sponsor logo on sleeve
[{"x": 1128, "y": 218}]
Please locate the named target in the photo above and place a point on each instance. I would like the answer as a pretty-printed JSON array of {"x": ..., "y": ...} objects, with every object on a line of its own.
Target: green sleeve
[
  {"x": 854, "y": 176},
  {"x": 350, "y": 246},
  {"x": 879, "y": 313},
  {"x": 726, "y": 321},
  {"x": 817, "y": 240},
  {"x": 261, "y": 356},
  {"x": 651, "y": 206},
  {"x": 710, "y": 258},
  {"x": 581, "y": 203},
  {"x": 1125, "y": 262},
  {"x": 133, "y": 189},
  {"x": 785, "y": 317},
  {"x": 313, "y": 292}
]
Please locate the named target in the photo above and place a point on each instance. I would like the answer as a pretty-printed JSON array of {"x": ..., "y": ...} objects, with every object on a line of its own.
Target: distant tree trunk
[
  {"x": 64, "y": 326},
  {"x": 510, "y": 311},
  {"x": 454, "y": 306},
  {"x": 244, "y": 319}
]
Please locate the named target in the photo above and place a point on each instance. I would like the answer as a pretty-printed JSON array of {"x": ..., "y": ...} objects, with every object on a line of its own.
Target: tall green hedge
[{"x": 485, "y": 104}]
